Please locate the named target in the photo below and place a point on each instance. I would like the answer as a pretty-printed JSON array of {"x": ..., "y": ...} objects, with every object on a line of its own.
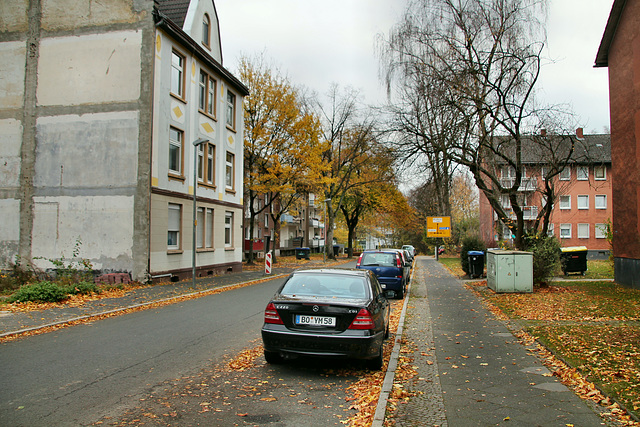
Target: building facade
[
  {"x": 95, "y": 138},
  {"x": 620, "y": 52},
  {"x": 583, "y": 207}
]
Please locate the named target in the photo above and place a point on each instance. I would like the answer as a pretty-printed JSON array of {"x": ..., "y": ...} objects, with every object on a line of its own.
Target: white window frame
[
  {"x": 565, "y": 202},
  {"x": 230, "y": 171},
  {"x": 228, "y": 229},
  {"x": 582, "y": 173},
  {"x": 583, "y": 201},
  {"x": 174, "y": 228},
  {"x": 550, "y": 230},
  {"x": 565, "y": 174},
  {"x": 583, "y": 231},
  {"x": 230, "y": 102},
  {"x": 601, "y": 231},
  {"x": 599, "y": 204},
  {"x": 564, "y": 228},
  {"x": 179, "y": 144},
  {"x": 178, "y": 67},
  {"x": 603, "y": 176}
]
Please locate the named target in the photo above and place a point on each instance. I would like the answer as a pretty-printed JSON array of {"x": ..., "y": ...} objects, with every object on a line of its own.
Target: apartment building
[
  {"x": 96, "y": 137},
  {"x": 583, "y": 208}
]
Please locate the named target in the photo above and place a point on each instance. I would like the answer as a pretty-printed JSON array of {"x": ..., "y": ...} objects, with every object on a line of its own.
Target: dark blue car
[{"x": 389, "y": 268}]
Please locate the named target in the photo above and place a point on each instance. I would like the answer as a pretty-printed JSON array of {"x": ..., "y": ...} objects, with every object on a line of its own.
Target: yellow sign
[{"x": 438, "y": 226}]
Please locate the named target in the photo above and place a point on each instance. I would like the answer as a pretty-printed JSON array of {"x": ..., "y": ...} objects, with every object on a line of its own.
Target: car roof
[{"x": 343, "y": 271}]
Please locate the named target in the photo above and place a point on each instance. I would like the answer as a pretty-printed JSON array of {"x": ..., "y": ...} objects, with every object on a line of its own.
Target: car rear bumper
[{"x": 291, "y": 342}]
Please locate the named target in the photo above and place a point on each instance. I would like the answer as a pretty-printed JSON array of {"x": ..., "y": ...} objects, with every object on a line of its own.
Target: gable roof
[
  {"x": 176, "y": 10},
  {"x": 602, "y": 57},
  {"x": 592, "y": 149}
]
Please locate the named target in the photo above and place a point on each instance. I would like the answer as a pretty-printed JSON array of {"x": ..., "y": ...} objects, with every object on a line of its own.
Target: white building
[{"x": 96, "y": 136}]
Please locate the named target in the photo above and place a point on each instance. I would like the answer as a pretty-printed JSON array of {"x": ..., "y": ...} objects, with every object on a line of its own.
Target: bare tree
[{"x": 478, "y": 62}]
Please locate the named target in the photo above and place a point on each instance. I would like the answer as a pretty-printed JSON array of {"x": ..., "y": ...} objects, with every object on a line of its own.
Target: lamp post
[
  {"x": 198, "y": 142},
  {"x": 324, "y": 231}
]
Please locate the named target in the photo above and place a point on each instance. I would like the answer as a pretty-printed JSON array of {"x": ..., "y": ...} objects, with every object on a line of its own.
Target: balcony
[{"x": 526, "y": 184}]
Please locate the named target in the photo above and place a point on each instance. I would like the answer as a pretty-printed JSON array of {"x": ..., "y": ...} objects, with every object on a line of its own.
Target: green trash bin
[{"x": 574, "y": 259}]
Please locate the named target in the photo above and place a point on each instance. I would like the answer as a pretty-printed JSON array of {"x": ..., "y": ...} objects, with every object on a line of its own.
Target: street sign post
[{"x": 439, "y": 226}]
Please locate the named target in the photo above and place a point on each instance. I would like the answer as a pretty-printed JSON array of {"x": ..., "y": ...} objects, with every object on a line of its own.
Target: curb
[
  {"x": 191, "y": 295},
  {"x": 387, "y": 384}
]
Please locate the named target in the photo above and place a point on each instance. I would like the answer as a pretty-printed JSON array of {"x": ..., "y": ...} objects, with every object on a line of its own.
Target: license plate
[{"x": 315, "y": 320}]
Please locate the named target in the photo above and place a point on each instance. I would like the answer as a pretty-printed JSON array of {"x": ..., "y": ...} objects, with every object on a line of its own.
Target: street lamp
[
  {"x": 324, "y": 230},
  {"x": 198, "y": 142}
]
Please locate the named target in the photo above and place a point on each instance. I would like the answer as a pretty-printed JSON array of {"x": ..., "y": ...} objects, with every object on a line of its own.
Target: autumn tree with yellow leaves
[{"x": 282, "y": 145}]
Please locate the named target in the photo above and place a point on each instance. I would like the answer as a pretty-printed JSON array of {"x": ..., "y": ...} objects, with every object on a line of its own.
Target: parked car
[
  {"x": 411, "y": 250},
  {"x": 327, "y": 313},
  {"x": 389, "y": 267}
]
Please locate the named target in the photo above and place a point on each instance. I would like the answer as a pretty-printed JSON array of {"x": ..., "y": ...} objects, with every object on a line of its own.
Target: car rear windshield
[
  {"x": 325, "y": 285},
  {"x": 380, "y": 259}
]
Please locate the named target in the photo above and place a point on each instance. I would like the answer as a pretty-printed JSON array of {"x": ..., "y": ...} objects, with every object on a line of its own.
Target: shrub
[
  {"x": 39, "y": 292},
  {"x": 546, "y": 257},
  {"x": 470, "y": 243},
  {"x": 83, "y": 288}
]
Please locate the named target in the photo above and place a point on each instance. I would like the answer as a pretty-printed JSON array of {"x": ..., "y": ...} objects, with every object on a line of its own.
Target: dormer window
[{"x": 206, "y": 30}]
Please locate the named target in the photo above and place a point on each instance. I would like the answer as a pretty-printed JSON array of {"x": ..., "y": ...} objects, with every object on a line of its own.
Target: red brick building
[
  {"x": 620, "y": 52},
  {"x": 583, "y": 207}
]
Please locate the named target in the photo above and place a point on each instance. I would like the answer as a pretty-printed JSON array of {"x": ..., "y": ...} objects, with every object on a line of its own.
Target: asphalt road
[{"x": 76, "y": 375}]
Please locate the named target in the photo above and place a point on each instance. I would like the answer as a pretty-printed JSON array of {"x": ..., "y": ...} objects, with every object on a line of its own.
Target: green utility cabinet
[{"x": 509, "y": 271}]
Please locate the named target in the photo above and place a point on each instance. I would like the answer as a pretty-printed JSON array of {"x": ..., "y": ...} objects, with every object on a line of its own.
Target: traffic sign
[{"x": 439, "y": 226}]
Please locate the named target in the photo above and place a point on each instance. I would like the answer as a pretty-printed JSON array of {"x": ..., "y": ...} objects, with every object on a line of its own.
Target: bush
[
  {"x": 40, "y": 292},
  {"x": 546, "y": 257},
  {"x": 470, "y": 243},
  {"x": 83, "y": 288}
]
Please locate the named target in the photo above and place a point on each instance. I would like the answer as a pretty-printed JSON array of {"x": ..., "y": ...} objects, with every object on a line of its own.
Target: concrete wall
[{"x": 75, "y": 131}]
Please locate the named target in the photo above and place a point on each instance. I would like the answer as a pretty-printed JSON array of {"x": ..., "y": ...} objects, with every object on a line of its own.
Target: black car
[{"x": 327, "y": 313}]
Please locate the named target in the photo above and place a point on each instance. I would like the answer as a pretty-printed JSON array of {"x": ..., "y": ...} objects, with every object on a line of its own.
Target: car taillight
[
  {"x": 363, "y": 320},
  {"x": 359, "y": 260},
  {"x": 398, "y": 261},
  {"x": 271, "y": 315}
]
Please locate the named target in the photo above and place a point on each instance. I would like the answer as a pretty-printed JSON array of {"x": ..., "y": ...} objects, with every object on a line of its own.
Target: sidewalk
[
  {"x": 12, "y": 323},
  {"x": 471, "y": 370}
]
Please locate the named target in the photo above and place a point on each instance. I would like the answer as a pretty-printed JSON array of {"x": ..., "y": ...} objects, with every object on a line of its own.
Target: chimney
[
  {"x": 579, "y": 133},
  {"x": 543, "y": 132}
]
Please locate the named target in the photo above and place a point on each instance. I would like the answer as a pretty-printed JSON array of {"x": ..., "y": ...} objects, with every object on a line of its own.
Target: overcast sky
[{"x": 316, "y": 43}]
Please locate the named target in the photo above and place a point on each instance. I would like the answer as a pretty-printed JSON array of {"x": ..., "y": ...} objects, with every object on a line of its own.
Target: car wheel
[
  {"x": 400, "y": 293},
  {"x": 376, "y": 363},
  {"x": 386, "y": 333},
  {"x": 272, "y": 357}
]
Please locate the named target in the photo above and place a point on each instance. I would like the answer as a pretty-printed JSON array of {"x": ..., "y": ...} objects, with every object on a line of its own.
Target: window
[
  {"x": 582, "y": 173},
  {"x": 508, "y": 172},
  {"x": 266, "y": 220},
  {"x": 565, "y": 202},
  {"x": 228, "y": 229},
  {"x": 207, "y": 94},
  {"x": 177, "y": 74},
  {"x": 583, "y": 231},
  {"x": 229, "y": 179},
  {"x": 206, "y": 163},
  {"x": 565, "y": 174},
  {"x": 583, "y": 202},
  {"x": 231, "y": 110},
  {"x": 601, "y": 201},
  {"x": 544, "y": 171},
  {"x": 204, "y": 228},
  {"x": 565, "y": 231},
  {"x": 600, "y": 173},
  {"x": 208, "y": 232},
  {"x": 174, "y": 227},
  {"x": 550, "y": 230},
  {"x": 206, "y": 30},
  {"x": 601, "y": 231},
  {"x": 176, "y": 148}
]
